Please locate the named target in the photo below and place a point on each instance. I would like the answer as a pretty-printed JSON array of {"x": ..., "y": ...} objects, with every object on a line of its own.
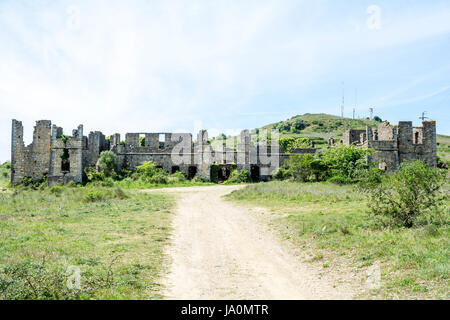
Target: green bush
[
  {"x": 405, "y": 195},
  {"x": 145, "y": 171},
  {"x": 93, "y": 176},
  {"x": 56, "y": 189},
  {"x": 107, "y": 163},
  {"x": 238, "y": 177},
  {"x": 94, "y": 195},
  {"x": 159, "y": 177},
  {"x": 281, "y": 174},
  {"x": 33, "y": 281},
  {"x": 292, "y": 142},
  {"x": 176, "y": 177},
  {"x": 349, "y": 163},
  {"x": 5, "y": 170},
  {"x": 34, "y": 184},
  {"x": 306, "y": 168}
]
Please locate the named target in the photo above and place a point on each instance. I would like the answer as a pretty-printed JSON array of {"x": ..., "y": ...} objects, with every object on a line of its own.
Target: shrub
[
  {"x": 306, "y": 168},
  {"x": 56, "y": 189},
  {"x": 405, "y": 195},
  {"x": 176, "y": 177},
  {"x": 107, "y": 163},
  {"x": 94, "y": 195},
  {"x": 281, "y": 174},
  {"x": 291, "y": 142},
  {"x": 93, "y": 175},
  {"x": 28, "y": 280},
  {"x": 239, "y": 176},
  {"x": 159, "y": 177},
  {"x": 197, "y": 179},
  {"x": 119, "y": 193},
  {"x": 441, "y": 164},
  {"x": 34, "y": 184},
  {"x": 145, "y": 171},
  {"x": 347, "y": 162}
]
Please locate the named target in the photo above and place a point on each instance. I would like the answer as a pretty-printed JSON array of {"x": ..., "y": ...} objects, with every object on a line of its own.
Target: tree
[
  {"x": 377, "y": 119},
  {"x": 306, "y": 168},
  {"x": 107, "y": 163},
  {"x": 406, "y": 194},
  {"x": 293, "y": 142},
  {"x": 346, "y": 162}
]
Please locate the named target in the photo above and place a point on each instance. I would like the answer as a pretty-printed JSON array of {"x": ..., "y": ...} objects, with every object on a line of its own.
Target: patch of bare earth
[{"x": 220, "y": 250}]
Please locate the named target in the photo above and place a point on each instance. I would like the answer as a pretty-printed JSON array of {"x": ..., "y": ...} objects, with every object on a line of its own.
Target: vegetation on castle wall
[{"x": 341, "y": 164}]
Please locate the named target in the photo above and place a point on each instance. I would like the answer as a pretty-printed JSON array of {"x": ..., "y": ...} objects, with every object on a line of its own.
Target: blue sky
[{"x": 143, "y": 66}]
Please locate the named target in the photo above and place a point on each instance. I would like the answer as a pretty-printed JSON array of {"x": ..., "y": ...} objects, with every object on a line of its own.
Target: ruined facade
[
  {"x": 64, "y": 160},
  {"x": 395, "y": 144}
]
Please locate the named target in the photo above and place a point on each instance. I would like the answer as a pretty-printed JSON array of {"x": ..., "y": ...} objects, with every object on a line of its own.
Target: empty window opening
[
  {"x": 161, "y": 139},
  {"x": 175, "y": 169},
  {"x": 416, "y": 137},
  {"x": 142, "y": 140},
  {"x": 192, "y": 171}
]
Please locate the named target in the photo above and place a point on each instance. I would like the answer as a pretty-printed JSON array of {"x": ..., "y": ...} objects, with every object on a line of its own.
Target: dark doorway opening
[
  {"x": 255, "y": 173},
  {"x": 175, "y": 169},
  {"x": 224, "y": 173},
  {"x": 192, "y": 171},
  {"x": 65, "y": 163}
]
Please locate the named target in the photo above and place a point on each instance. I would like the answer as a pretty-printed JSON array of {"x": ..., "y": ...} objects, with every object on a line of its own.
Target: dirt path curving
[{"x": 221, "y": 251}]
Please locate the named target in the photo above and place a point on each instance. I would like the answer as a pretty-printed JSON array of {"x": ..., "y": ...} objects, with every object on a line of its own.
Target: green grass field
[
  {"x": 443, "y": 147},
  {"x": 335, "y": 220},
  {"x": 115, "y": 238}
]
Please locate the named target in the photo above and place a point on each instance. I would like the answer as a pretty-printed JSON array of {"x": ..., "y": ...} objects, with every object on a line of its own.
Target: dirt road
[{"x": 221, "y": 251}]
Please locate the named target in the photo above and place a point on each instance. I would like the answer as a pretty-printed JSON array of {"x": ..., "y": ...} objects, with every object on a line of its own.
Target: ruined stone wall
[
  {"x": 386, "y": 132},
  {"x": 132, "y": 154},
  {"x": 96, "y": 143},
  {"x": 32, "y": 160},
  {"x": 76, "y": 147},
  {"x": 353, "y": 136}
]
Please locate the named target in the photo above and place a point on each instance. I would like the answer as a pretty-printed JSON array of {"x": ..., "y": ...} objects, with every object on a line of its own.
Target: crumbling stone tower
[
  {"x": 395, "y": 144},
  {"x": 32, "y": 160}
]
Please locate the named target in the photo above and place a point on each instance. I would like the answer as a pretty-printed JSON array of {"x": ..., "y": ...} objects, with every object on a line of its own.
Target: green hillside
[
  {"x": 319, "y": 127},
  {"x": 443, "y": 148}
]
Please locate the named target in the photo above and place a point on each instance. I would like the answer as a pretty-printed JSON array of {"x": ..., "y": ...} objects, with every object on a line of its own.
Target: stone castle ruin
[
  {"x": 63, "y": 158},
  {"x": 395, "y": 144}
]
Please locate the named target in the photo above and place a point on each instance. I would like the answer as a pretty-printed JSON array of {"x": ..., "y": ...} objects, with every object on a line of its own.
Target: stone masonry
[
  {"x": 395, "y": 144},
  {"x": 44, "y": 156},
  {"x": 65, "y": 161}
]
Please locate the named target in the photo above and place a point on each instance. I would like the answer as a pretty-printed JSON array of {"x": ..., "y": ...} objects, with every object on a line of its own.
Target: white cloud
[{"x": 135, "y": 66}]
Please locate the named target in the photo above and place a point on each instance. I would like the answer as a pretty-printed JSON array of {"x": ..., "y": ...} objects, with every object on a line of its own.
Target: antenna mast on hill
[
  {"x": 342, "y": 107},
  {"x": 356, "y": 102},
  {"x": 371, "y": 113},
  {"x": 423, "y": 116}
]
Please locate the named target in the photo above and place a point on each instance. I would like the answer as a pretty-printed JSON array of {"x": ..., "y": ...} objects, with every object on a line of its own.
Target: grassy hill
[
  {"x": 319, "y": 127},
  {"x": 443, "y": 148}
]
